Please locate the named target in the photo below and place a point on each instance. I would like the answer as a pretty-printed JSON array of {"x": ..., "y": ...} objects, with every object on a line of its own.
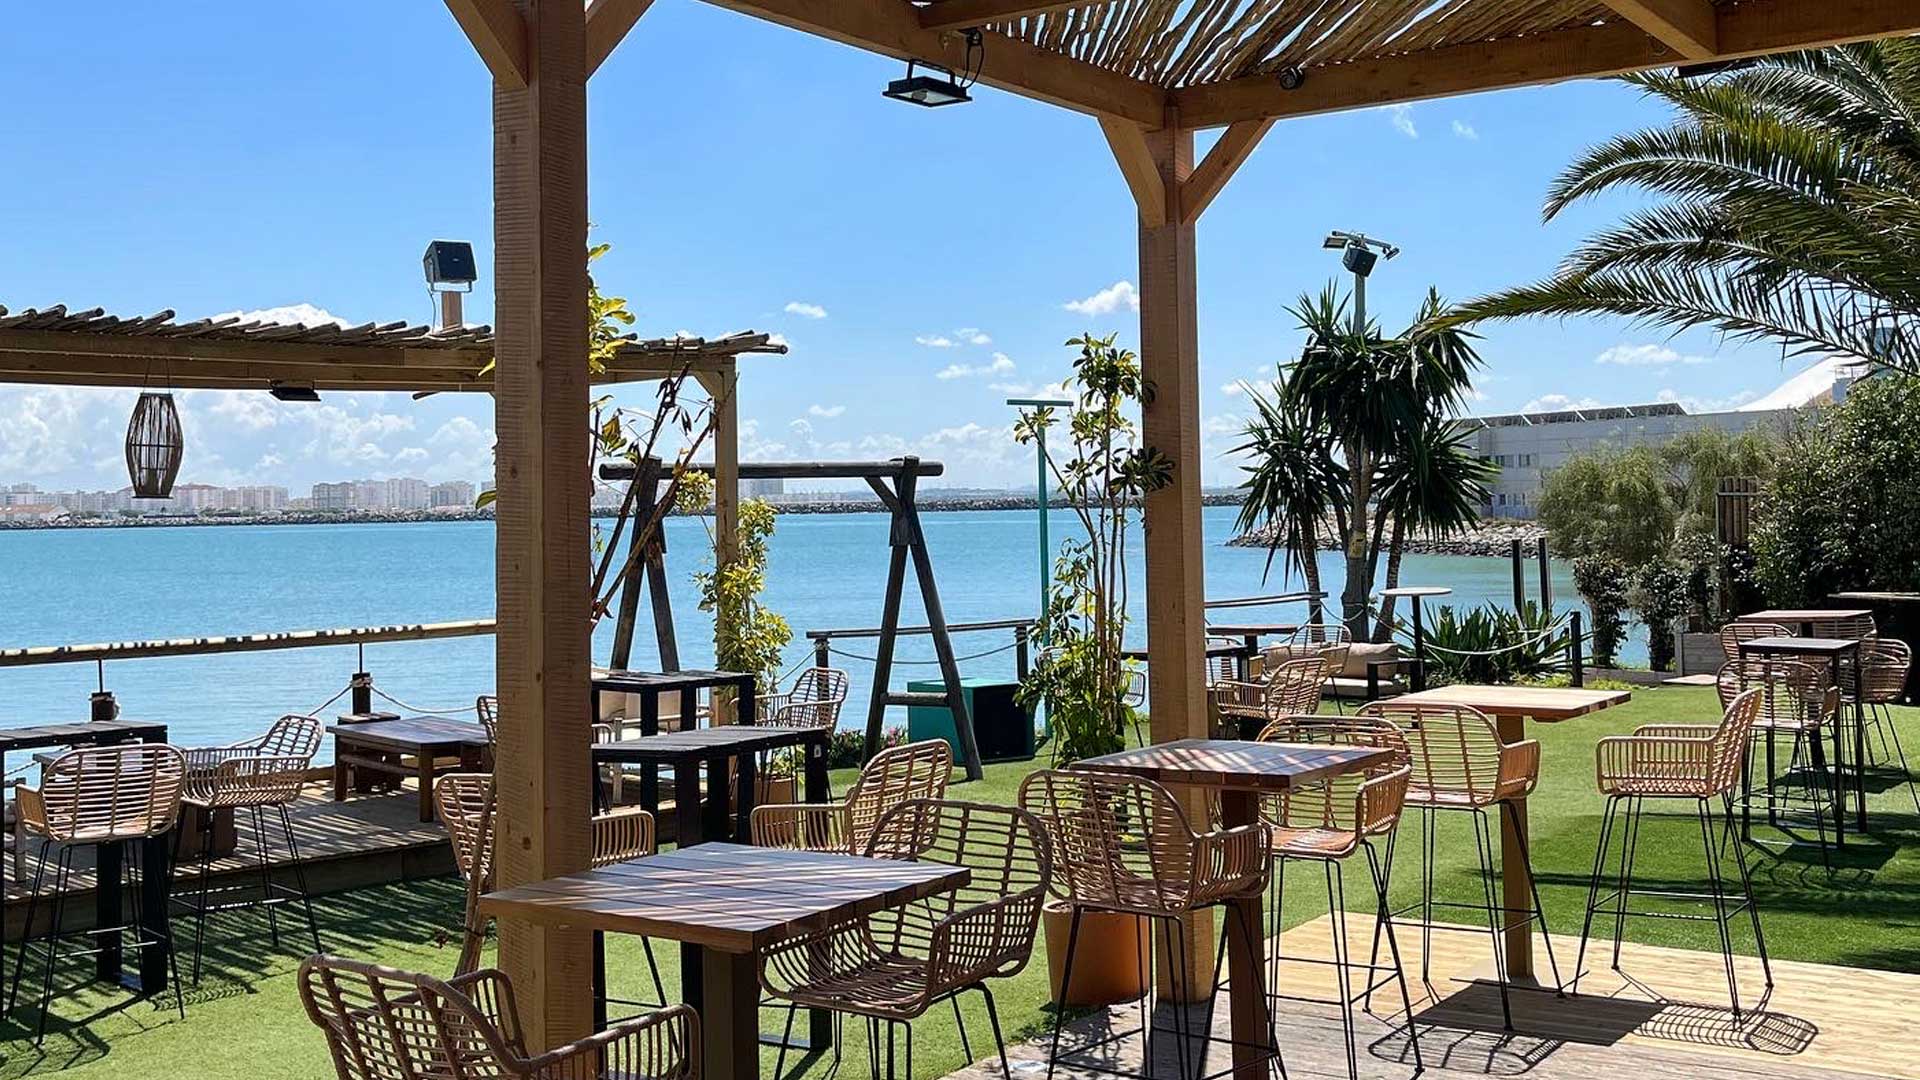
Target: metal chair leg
[
  {"x": 1384, "y": 918},
  {"x": 1533, "y": 886},
  {"x": 1336, "y": 908},
  {"x": 786, "y": 1040},
  {"x": 1753, "y": 908},
  {"x": 1066, "y": 986},
  {"x": 993, "y": 1021},
  {"x": 63, "y": 878},
  {"x": 1496, "y": 910},
  {"x": 266, "y": 876},
  {"x": 1900, "y": 755},
  {"x": 200, "y": 909},
  {"x": 1630, "y": 843},
  {"x": 1593, "y": 888},
  {"x": 299, "y": 866},
  {"x": 1720, "y": 913},
  {"x": 26, "y": 932}
]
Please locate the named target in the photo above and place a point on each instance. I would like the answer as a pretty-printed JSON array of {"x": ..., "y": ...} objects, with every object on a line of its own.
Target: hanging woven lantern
[{"x": 153, "y": 446}]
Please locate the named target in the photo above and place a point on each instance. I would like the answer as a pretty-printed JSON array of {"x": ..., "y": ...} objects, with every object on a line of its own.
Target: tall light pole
[
  {"x": 1040, "y": 444},
  {"x": 1358, "y": 254}
]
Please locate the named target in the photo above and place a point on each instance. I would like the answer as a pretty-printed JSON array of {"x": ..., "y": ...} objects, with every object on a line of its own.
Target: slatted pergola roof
[{"x": 92, "y": 348}]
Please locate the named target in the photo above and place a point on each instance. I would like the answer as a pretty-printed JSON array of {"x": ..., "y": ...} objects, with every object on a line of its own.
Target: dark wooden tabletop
[
  {"x": 1216, "y": 649},
  {"x": 90, "y": 733},
  {"x": 1800, "y": 646},
  {"x": 1803, "y": 615},
  {"x": 636, "y": 682},
  {"x": 1417, "y": 591},
  {"x": 709, "y": 742},
  {"x": 1226, "y": 763},
  {"x": 1253, "y": 629},
  {"x": 724, "y": 896},
  {"x": 411, "y": 732}
]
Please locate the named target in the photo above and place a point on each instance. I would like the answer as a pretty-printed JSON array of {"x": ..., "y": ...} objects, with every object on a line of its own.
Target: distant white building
[
  {"x": 333, "y": 496},
  {"x": 450, "y": 493},
  {"x": 768, "y": 488},
  {"x": 407, "y": 493},
  {"x": 1526, "y": 446}
]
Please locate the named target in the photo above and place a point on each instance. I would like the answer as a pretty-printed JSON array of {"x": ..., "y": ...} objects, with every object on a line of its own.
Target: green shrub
[
  {"x": 1602, "y": 581},
  {"x": 1492, "y": 644}
]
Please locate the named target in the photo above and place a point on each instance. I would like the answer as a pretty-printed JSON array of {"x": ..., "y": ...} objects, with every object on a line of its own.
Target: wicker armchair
[
  {"x": 1328, "y": 824},
  {"x": 98, "y": 795},
  {"x": 1884, "y": 664},
  {"x": 895, "y": 776},
  {"x": 384, "y": 1024},
  {"x": 1732, "y": 634},
  {"x": 486, "y": 708},
  {"x": 465, "y": 803},
  {"x": 1458, "y": 763},
  {"x": 894, "y": 965},
  {"x": 813, "y": 701},
  {"x": 1703, "y": 763},
  {"x": 1331, "y": 641},
  {"x": 1247, "y": 707},
  {"x": 1853, "y": 627},
  {"x": 1123, "y": 844},
  {"x": 1797, "y": 701},
  {"x": 260, "y": 775}
]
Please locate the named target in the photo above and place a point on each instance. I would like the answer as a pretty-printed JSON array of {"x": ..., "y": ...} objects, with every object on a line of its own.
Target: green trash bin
[{"x": 1002, "y": 729}]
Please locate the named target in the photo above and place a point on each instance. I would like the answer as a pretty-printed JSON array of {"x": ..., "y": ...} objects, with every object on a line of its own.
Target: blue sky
[{"x": 220, "y": 156}]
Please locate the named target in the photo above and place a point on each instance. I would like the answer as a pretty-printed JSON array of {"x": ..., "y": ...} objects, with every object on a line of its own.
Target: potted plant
[
  {"x": 777, "y": 780},
  {"x": 1083, "y": 674}
]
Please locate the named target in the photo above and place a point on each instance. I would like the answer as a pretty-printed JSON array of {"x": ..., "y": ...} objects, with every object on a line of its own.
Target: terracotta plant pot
[
  {"x": 773, "y": 789},
  {"x": 1109, "y": 962}
]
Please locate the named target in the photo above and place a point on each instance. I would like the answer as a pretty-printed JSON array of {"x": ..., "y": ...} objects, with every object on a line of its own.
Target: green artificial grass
[{"x": 244, "y": 1019}]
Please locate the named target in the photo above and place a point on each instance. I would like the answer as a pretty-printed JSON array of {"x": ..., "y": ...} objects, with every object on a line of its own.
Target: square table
[
  {"x": 686, "y": 751},
  {"x": 1832, "y": 650},
  {"x": 724, "y": 903},
  {"x": 648, "y": 686},
  {"x": 1511, "y": 707},
  {"x": 156, "y": 855},
  {"x": 372, "y": 745},
  {"x": 1801, "y": 620},
  {"x": 1241, "y": 772}
]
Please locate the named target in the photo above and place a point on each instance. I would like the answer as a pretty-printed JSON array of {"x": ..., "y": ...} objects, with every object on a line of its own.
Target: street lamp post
[
  {"x": 1040, "y": 457},
  {"x": 1358, "y": 253}
]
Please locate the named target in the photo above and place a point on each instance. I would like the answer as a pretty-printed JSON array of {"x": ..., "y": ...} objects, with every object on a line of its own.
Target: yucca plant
[{"x": 1788, "y": 208}]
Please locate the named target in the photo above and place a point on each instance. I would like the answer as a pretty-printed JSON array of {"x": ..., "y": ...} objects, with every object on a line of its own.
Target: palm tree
[
  {"x": 1384, "y": 407},
  {"x": 1791, "y": 212}
]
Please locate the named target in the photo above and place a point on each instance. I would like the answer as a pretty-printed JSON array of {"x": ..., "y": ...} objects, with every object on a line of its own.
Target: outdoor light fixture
[
  {"x": 292, "y": 391},
  {"x": 949, "y": 88},
  {"x": 1291, "y": 77},
  {"x": 1359, "y": 253},
  {"x": 450, "y": 272},
  {"x": 154, "y": 446}
]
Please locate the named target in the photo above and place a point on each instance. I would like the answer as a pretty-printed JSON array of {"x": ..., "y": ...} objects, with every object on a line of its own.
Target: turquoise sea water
[{"x": 72, "y": 586}]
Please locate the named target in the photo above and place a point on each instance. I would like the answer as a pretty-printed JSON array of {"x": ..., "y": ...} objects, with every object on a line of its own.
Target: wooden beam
[
  {"x": 892, "y": 28},
  {"x": 1750, "y": 28},
  {"x": 543, "y": 655},
  {"x": 1137, "y": 165},
  {"x": 1235, "y": 146},
  {"x": 1685, "y": 26},
  {"x": 607, "y": 24},
  {"x": 961, "y": 14},
  {"x": 499, "y": 35}
]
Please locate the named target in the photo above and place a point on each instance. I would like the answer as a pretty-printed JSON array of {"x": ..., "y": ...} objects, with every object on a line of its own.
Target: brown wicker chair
[
  {"x": 384, "y": 1024},
  {"x": 1795, "y": 701},
  {"x": 98, "y": 795},
  {"x": 1852, "y": 627},
  {"x": 1460, "y": 764},
  {"x": 896, "y": 775},
  {"x": 1701, "y": 763},
  {"x": 1732, "y": 634},
  {"x": 465, "y": 803},
  {"x": 260, "y": 775},
  {"x": 1292, "y": 688},
  {"x": 1124, "y": 844},
  {"x": 1884, "y": 664},
  {"x": 813, "y": 701},
  {"x": 486, "y": 708},
  {"x": 892, "y": 966},
  {"x": 1329, "y": 824}
]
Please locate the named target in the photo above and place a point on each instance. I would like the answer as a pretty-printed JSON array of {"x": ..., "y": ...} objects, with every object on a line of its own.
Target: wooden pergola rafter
[{"x": 1153, "y": 73}]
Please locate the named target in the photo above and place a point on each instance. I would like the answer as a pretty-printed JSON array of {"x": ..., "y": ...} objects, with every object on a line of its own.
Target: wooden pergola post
[{"x": 541, "y": 470}]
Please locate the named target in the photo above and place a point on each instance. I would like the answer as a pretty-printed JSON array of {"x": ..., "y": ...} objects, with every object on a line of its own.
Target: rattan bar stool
[
  {"x": 88, "y": 797},
  {"x": 262, "y": 775},
  {"x": 1329, "y": 825},
  {"x": 1123, "y": 844},
  {"x": 1734, "y": 633},
  {"x": 1796, "y": 701},
  {"x": 813, "y": 701},
  {"x": 1697, "y": 762},
  {"x": 1884, "y": 663},
  {"x": 892, "y": 966},
  {"x": 896, "y": 775},
  {"x": 385, "y": 1024},
  {"x": 1291, "y": 688},
  {"x": 1460, "y": 765},
  {"x": 465, "y": 803},
  {"x": 1329, "y": 641}
]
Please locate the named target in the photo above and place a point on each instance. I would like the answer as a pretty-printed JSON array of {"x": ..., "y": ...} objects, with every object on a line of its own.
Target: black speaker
[{"x": 1002, "y": 727}]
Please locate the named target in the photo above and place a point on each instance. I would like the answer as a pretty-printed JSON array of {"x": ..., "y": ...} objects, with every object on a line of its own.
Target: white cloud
[
  {"x": 826, "y": 412},
  {"x": 973, "y": 335},
  {"x": 780, "y": 340},
  {"x": 1464, "y": 130},
  {"x": 805, "y": 310},
  {"x": 250, "y": 410},
  {"x": 1648, "y": 356},
  {"x": 1402, "y": 117},
  {"x": 1559, "y": 403},
  {"x": 1705, "y": 405},
  {"x": 1002, "y": 365},
  {"x": 1234, "y": 389},
  {"x": 287, "y": 315},
  {"x": 936, "y": 341},
  {"x": 1107, "y": 300}
]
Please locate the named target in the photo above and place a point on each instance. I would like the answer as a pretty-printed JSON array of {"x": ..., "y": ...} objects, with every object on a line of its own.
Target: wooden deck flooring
[{"x": 1663, "y": 1017}]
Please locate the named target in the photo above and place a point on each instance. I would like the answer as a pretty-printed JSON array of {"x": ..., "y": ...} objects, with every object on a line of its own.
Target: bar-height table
[
  {"x": 648, "y": 686},
  {"x": 427, "y": 739},
  {"x": 687, "y": 752},
  {"x": 1801, "y": 620},
  {"x": 1241, "y": 772},
  {"x": 156, "y": 855},
  {"x": 1511, "y": 707},
  {"x": 1833, "y": 651},
  {"x": 724, "y": 903}
]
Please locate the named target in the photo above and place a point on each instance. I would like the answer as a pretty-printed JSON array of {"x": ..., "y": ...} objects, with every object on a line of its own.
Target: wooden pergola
[{"x": 1152, "y": 73}]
